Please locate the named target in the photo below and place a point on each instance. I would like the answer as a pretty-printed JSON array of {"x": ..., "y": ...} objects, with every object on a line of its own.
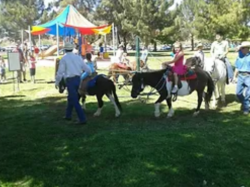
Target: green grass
[{"x": 38, "y": 148}]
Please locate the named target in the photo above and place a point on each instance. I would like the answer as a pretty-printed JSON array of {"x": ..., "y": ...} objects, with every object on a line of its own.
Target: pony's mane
[{"x": 155, "y": 71}]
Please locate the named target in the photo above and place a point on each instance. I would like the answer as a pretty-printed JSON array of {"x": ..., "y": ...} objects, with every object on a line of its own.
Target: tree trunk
[
  {"x": 33, "y": 40},
  {"x": 125, "y": 43},
  {"x": 155, "y": 46},
  {"x": 192, "y": 41},
  {"x": 119, "y": 41}
]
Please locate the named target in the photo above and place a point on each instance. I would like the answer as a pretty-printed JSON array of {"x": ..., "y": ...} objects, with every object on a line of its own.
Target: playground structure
[{"x": 50, "y": 51}]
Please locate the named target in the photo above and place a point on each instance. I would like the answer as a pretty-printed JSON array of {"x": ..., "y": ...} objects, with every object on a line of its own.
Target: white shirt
[
  {"x": 218, "y": 49},
  {"x": 75, "y": 51},
  {"x": 71, "y": 65},
  {"x": 201, "y": 55},
  {"x": 119, "y": 54}
]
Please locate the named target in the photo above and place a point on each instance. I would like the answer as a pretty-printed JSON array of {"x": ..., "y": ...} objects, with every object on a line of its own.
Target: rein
[{"x": 152, "y": 89}]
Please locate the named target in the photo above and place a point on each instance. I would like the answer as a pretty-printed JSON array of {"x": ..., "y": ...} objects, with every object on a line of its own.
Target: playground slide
[{"x": 50, "y": 51}]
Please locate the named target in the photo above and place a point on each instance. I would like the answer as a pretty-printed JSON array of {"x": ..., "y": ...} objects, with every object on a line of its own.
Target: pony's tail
[
  {"x": 115, "y": 97},
  {"x": 210, "y": 88}
]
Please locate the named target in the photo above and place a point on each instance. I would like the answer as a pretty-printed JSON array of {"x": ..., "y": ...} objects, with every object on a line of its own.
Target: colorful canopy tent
[
  {"x": 36, "y": 30},
  {"x": 68, "y": 23},
  {"x": 68, "y": 17}
]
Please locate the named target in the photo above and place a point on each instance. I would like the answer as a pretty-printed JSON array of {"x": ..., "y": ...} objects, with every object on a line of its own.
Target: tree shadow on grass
[{"x": 39, "y": 148}]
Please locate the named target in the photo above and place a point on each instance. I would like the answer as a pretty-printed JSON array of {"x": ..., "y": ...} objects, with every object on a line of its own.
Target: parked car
[
  {"x": 2, "y": 49},
  {"x": 10, "y": 48},
  {"x": 165, "y": 48}
]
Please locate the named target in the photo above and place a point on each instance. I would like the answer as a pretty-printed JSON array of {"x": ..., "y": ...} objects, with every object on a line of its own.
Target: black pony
[
  {"x": 162, "y": 81},
  {"x": 98, "y": 86}
]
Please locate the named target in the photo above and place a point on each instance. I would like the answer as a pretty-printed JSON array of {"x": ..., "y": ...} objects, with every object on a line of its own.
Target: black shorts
[{"x": 32, "y": 71}]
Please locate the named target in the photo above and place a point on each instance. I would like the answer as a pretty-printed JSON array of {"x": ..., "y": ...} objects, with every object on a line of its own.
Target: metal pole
[
  {"x": 30, "y": 39},
  {"x": 113, "y": 38},
  {"x": 137, "y": 42},
  {"x": 116, "y": 36},
  {"x": 105, "y": 43},
  {"x": 22, "y": 38},
  {"x": 39, "y": 42},
  {"x": 57, "y": 35},
  {"x": 14, "y": 81}
]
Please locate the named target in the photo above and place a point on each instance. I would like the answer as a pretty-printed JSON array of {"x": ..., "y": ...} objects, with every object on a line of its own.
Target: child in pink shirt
[{"x": 179, "y": 68}]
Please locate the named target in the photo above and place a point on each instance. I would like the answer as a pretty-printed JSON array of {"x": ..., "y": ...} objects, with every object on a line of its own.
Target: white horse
[{"x": 218, "y": 71}]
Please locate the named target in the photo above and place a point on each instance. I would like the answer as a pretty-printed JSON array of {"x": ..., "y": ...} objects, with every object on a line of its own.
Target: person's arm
[
  {"x": 212, "y": 50},
  {"x": 227, "y": 49},
  {"x": 236, "y": 72},
  {"x": 60, "y": 72},
  {"x": 86, "y": 68},
  {"x": 176, "y": 58}
]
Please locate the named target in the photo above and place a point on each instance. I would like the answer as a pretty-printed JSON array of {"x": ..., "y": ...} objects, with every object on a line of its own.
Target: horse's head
[
  {"x": 137, "y": 85},
  {"x": 62, "y": 85},
  {"x": 194, "y": 61}
]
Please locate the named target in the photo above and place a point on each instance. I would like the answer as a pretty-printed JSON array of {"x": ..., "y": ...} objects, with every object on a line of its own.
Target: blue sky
[{"x": 47, "y": 1}]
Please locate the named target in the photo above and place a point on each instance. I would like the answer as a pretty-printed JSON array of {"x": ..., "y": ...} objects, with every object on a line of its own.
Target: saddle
[
  {"x": 84, "y": 84},
  {"x": 123, "y": 66},
  {"x": 224, "y": 60},
  {"x": 189, "y": 75}
]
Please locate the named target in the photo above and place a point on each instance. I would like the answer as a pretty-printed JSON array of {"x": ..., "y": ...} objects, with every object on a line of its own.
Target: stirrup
[{"x": 174, "y": 97}]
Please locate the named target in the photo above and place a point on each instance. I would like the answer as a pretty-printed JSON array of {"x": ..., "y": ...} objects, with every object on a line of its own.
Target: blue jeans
[
  {"x": 242, "y": 83},
  {"x": 73, "y": 98},
  {"x": 229, "y": 69}
]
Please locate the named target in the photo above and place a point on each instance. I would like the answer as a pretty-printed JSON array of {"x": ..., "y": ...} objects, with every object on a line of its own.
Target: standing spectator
[
  {"x": 22, "y": 63},
  {"x": 119, "y": 53},
  {"x": 101, "y": 50},
  {"x": 25, "y": 51},
  {"x": 2, "y": 70},
  {"x": 36, "y": 51},
  {"x": 32, "y": 65}
]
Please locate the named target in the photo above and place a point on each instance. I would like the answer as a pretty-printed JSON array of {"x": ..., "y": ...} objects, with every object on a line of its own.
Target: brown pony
[{"x": 117, "y": 69}]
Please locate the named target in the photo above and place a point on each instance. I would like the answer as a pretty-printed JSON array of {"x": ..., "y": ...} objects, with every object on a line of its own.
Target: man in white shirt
[
  {"x": 71, "y": 67},
  {"x": 119, "y": 53}
]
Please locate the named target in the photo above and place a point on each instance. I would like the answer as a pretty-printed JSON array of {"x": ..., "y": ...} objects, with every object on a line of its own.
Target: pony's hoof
[
  {"x": 223, "y": 103},
  {"x": 97, "y": 114},
  {"x": 170, "y": 116},
  {"x": 83, "y": 106},
  {"x": 117, "y": 115},
  {"x": 206, "y": 107},
  {"x": 157, "y": 115},
  {"x": 213, "y": 106},
  {"x": 196, "y": 113}
]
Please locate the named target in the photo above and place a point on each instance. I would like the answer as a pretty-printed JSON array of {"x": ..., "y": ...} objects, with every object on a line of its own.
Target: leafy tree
[
  {"x": 19, "y": 14},
  {"x": 135, "y": 17}
]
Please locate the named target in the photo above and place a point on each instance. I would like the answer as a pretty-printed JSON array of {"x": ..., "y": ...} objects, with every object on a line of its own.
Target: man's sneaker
[
  {"x": 175, "y": 89},
  {"x": 67, "y": 119},
  {"x": 246, "y": 113},
  {"x": 80, "y": 122}
]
